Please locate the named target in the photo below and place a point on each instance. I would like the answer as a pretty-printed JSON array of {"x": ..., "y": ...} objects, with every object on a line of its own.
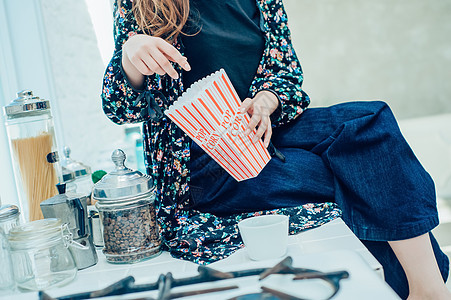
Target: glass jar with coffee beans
[{"x": 125, "y": 200}]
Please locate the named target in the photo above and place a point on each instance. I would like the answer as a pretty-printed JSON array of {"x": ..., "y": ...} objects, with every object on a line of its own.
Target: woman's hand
[
  {"x": 260, "y": 109},
  {"x": 146, "y": 55}
]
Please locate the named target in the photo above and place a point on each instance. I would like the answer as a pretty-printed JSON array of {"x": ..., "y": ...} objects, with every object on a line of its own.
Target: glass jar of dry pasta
[
  {"x": 125, "y": 200},
  {"x": 34, "y": 155}
]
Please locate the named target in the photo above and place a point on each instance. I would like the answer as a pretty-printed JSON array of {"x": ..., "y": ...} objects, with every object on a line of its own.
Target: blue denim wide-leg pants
[{"x": 351, "y": 153}]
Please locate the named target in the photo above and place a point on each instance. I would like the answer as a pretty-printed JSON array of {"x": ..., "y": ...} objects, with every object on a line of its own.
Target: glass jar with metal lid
[
  {"x": 9, "y": 217},
  {"x": 40, "y": 254},
  {"x": 126, "y": 202},
  {"x": 32, "y": 141},
  {"x": 82, "y": 173}
]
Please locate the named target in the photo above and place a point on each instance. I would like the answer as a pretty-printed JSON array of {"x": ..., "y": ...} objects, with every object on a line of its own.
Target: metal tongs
[{"x": 165, "y": 283}]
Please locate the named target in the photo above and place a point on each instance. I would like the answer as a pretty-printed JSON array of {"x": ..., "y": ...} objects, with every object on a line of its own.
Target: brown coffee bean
[{"x": 130, "y": 235}]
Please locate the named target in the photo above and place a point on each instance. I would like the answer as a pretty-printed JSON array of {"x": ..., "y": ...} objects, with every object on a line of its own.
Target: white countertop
[{"x": 330, "y": 247}]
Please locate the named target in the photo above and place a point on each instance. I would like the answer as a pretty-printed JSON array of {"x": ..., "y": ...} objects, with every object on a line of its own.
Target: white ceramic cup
[{"x": 265, "y": 237}]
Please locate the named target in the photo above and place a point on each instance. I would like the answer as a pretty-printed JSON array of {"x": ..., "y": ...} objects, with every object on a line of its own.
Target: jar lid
[
  {"x": 8, "y": 211},
  {"x": 77, "y": 167},
  {"x": 36, "y": 229},
  {"x": 26, "y": 103},
  {"x": 122, "y": 183},
  {"x": 36, "y": 234}
]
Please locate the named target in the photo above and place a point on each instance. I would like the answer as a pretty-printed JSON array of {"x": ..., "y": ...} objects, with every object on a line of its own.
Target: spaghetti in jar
[{"x": 31, "y": 135}]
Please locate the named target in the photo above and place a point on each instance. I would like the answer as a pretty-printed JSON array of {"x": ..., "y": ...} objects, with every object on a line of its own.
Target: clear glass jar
[
  {"x": 9, "y": 217},
  {"x": 40, "y": 254},
  {"x": 130, "y": 231},
  {"x": 69, "y": 181},
  {"x": 125, "y": 201},
  {"x": 82, "y": 173},
  {"x": 34, "y": 155},
  {"x": 6, "y": 271}
]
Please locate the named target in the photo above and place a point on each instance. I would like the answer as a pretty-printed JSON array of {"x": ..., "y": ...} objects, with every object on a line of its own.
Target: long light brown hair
[{"x": 161, "y": 18}]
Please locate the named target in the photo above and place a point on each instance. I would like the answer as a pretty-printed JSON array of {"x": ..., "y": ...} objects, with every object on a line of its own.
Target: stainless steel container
[
  {"x": 95, "y": 226},
  {"x": 72, "y": 210},
  {"x": 125, "y": 200},
  {"x": 34, "y": 155}
]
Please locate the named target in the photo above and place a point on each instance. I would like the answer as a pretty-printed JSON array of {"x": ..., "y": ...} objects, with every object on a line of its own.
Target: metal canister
[
  {"x": 126, "y": 205},
  {"x": 34, "y": 155}
]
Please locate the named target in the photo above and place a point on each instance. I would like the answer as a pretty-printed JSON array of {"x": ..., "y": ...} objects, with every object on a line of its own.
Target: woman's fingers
[
  {"x": 254, "y": 121},
  {"x": 151, "y": 65},
  {"x": 246, "y": 105},
  {"x": 149, "y": 55},
  {"x": 260, "y": 116},
  {"x": 164, "y": 63},
  {"x": 141, "y": 66},
  {"x": 268, "y": 135},
  {"x": 173, "y": 54},
  {"x": 262, "y": 128}
]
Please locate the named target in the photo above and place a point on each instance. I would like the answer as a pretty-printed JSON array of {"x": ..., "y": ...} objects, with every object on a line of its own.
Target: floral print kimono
[{"x": 189, "y": 234}]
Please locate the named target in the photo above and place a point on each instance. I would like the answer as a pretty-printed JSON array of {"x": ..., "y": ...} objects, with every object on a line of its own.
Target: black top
[{"x": 230, "y": 37}]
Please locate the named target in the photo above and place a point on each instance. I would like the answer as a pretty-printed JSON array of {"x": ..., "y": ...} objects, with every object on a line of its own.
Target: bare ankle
[
  {"x": 421, "y": 268},
  {"x": 441, "y": 293}
]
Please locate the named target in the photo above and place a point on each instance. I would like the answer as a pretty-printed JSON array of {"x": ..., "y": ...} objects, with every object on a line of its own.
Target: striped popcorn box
[{"x": 209, "y": 113}]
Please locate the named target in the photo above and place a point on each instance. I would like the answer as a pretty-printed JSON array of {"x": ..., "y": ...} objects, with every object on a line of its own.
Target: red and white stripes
[{"x": 209, "y": 113}]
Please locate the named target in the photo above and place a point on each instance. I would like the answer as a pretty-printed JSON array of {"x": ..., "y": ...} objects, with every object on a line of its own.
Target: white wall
[
  {"x": 50, "y": 47},
  {"x": 396, "y": 50},
  {"x": 78, "y": 71},
  {"x": 24, "y": 65}
]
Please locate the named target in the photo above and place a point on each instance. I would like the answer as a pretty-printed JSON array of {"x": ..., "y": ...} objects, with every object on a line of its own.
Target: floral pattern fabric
[
  {"x": 204, "y": 238},
  {"x": 190, "y": 234}
]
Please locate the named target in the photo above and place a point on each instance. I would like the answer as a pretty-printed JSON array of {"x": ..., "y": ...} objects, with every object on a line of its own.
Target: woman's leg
[
  {"x": 352, "y": 153},
  {"x": 393, "y": 270},
  {"x": 423, "y": 274},
  {"x": 383, "y": 190}
]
